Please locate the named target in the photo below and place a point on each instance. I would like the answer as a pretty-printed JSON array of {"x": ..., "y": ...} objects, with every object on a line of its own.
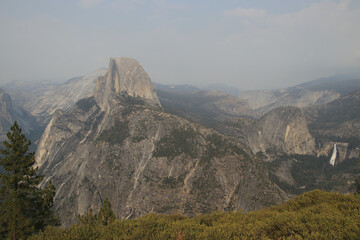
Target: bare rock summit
[
  {"x": 282, "y": 129},
  {"x": 125, "y": 75}
]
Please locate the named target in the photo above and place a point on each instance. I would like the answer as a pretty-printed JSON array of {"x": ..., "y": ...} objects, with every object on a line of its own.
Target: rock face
[
  {"x": 9, "y": 113},
  {"x": 337, "y": 122},
  {"x": 42, "y": 102},
  {"x": 126, "y": 148},
  {"x": 125, "y": 75},
  {"x": 285, "y": 138},
  {"x": 6, "y": 112},
  {"x": 282, "y": 129}
]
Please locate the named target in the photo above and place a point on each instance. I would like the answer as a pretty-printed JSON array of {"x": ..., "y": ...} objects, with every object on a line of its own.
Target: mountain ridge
[{"x": 144, "y": 159}]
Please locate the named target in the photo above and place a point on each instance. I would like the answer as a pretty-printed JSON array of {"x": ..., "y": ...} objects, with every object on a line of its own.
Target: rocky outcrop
[
  {"x": 285, "y": 139},
  {"x": 125, "y": 75},
  {"x": 124, "y": 147},
  {"x": 344, "y": 151},
  {"x": 42, "y": 101},
  {"x": 282, "y": 129},
  {"x": 337, "y": 122},
  {"x": 9, "y": 113}
]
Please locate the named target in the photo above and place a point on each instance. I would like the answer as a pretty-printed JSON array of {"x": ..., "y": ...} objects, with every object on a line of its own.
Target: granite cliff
[
  {"x": 125, "y": 75},
  {"x": 42, "y": 100},
  {"x": 283, "y": 129},
  {"x": 337, "y": 122},
  {"x": 310, "y": 148},
  {"x": 9, "y": 113}
]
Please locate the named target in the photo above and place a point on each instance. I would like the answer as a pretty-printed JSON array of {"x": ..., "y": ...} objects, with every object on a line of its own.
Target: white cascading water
[{"x": 333, "y": 156}]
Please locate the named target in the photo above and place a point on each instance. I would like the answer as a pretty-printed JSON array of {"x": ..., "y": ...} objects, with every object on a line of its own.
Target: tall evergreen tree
[
  {"x": 24, "y": 207},
  {"x": 106, "y": 215},
  {"x": 357, "y": 180},
  {"x": 87, "y": 218}
]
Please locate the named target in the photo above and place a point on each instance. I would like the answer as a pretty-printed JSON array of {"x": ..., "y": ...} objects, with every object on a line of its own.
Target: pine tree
[
  {"x": 357, "y": 180},
  {"x": 24, "y": 207},
  {"x": 88, "y": 218},
  {"x": 105, "y": 215}
]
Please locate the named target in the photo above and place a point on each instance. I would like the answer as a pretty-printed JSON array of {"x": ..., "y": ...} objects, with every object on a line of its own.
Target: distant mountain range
[
  {"x": 210, "y": 106},
  {"x": 43, "y": 100}
]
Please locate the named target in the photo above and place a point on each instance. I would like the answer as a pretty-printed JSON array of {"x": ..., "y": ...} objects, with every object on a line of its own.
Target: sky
[{"x": 258, "y": 44}]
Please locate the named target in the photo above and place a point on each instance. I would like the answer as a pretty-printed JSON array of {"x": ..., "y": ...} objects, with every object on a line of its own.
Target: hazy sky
[{"x": 247, "y": 44}]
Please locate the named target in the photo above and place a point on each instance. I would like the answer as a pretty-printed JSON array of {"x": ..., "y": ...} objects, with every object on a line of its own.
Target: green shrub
[
  {"x": 116, "y": 134},
  {"x": 313, "y": 215},
  {"x": 86, "y": 104},
  {"x": 177, "y": 142}
]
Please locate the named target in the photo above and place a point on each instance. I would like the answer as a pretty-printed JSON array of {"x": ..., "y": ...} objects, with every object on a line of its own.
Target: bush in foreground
[{"x": 313, "y": 215}]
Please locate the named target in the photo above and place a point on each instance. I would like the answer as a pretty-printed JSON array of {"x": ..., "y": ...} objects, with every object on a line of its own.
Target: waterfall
[{"x": 333, "y": 156}]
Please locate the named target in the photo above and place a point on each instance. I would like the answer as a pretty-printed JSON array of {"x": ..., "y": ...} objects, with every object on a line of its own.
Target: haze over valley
[
  {"x": 184, "y": 108},
  {"x": 112, "y": 134}
]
